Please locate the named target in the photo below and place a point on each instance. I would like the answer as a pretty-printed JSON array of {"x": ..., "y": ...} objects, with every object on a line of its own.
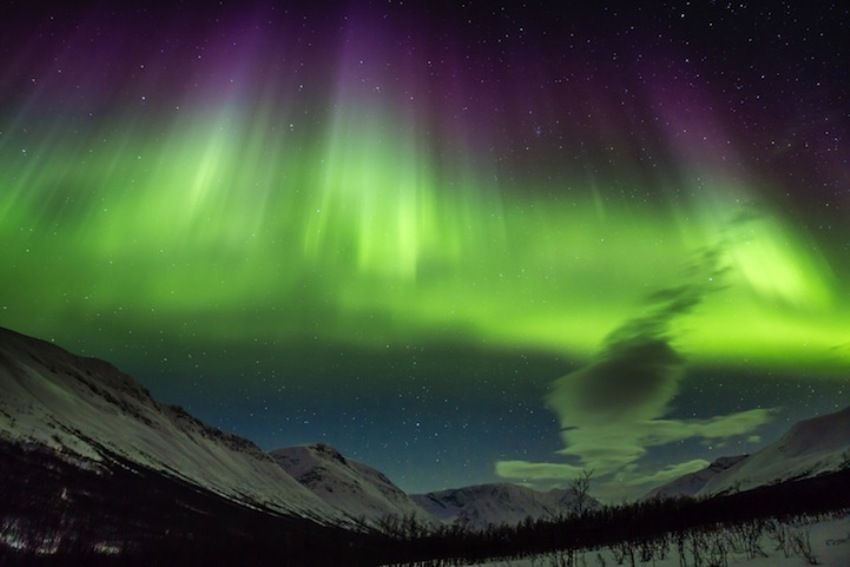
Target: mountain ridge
[
  {"x": 482, "y": 505},
  {"x": 86, "y": 410},
  {"x": 810, "y": 447}
]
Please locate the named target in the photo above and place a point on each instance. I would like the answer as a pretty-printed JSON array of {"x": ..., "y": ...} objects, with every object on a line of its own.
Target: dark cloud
[
  {"x": 638, "y": 368},
  {"x": 623, "y": 384},
  {"x": 612, "y": 409}
]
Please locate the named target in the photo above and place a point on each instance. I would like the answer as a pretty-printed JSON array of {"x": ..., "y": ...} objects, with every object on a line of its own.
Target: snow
[
  {"x": 829, "y": 538},
  {"x": 496, "y": 504},
  {"x": 810, "y": 447},
  {"x": 351, "y": 487},
  {"x": 86, "y": 409},
  {"x": 106, "y": 548},
  {"x": 691, "y": 484},
  {"x": 15, "y": 535}
]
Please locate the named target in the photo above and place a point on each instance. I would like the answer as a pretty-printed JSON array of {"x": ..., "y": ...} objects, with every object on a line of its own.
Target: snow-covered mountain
[
  {"x": 355, "y": 489},
  {"x": 497, "y": 504},
  {"x": 811, "y": 447},
  {"x": 691, "y": 484},
  {"x": 90, "y": 413}
]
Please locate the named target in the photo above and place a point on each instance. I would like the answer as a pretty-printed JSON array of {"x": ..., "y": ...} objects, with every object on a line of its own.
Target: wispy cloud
[
  {"x": 613, "y": 409},
  {"x": 530, "y": 471}
]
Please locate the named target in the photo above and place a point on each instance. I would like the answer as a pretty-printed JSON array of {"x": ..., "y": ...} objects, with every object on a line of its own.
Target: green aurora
[{"x": 360, "y": 235}]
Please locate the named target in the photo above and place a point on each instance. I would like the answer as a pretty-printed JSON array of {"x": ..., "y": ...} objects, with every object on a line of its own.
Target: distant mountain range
[
  {"x": 494, "y": 504},
  {"x": 90, "y": 415},
  {"x": 359, "y": 491},
  {"x": 85, "y": 419}
]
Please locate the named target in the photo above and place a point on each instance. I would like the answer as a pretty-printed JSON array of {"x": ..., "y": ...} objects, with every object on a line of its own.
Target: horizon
[{"x": 565, "y": 487}]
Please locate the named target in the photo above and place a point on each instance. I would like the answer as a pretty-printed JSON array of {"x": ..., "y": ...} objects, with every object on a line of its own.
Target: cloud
[
  {"x": 631, "y": 481},
  {"x": 608, "y": 447},
  {"x": 613, "y": 409},
  {"x": 665, "y": 474},
  {"x": 530, "y": 471},
  {"x": 614, "y": 451},
  {"x": 610, "y": 410},
  {"x": 637, "y": 372},
  {"x": 663, "y": 431},
  {"x": 631, "y": 380}
]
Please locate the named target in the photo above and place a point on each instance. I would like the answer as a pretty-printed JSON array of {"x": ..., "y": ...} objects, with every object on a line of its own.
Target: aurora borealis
[{"x": 511, "y": 233}]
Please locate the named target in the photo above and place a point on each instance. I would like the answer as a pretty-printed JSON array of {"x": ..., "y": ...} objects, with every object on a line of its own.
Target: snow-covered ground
[{"x": 829, "y": 541}]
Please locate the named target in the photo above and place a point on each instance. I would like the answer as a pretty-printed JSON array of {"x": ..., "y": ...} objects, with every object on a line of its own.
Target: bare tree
[
  {"x": 580, "y": 488},
  {"x": 802, "y": 544}
]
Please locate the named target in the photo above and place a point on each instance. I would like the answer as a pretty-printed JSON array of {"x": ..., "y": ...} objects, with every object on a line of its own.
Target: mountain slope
[
  {"x": 90, "y": 413},
  {"x": 809, "y": 448},
  {"x": 357, "y": 490},
  {"x": 496, "y": 504},
  {"x": 54, "y": 512},
  {"x": 691, "y": 484}
]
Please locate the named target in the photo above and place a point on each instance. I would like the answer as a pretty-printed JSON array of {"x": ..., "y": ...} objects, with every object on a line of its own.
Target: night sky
[{"x": 461, "y": 243}]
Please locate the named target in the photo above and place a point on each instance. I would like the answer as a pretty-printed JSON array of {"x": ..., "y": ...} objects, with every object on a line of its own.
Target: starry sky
[{"x": 462, "y": 242}]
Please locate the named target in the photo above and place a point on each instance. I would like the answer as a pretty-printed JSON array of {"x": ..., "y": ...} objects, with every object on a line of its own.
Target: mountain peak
[
  {"x": 328, "y": 451},
  {"x": 357, "y": 490}
]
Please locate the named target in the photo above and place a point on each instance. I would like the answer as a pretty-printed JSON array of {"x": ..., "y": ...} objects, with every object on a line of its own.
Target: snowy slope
[
  {"x": 496, "y": 504},
  {"x": 691, "y": 484},
  {"x": 829, "y": 539},
  {"x": 810, "y": 447},
  {"x": 355, "y": 489},
  {"x": 87, "y": 410}
]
